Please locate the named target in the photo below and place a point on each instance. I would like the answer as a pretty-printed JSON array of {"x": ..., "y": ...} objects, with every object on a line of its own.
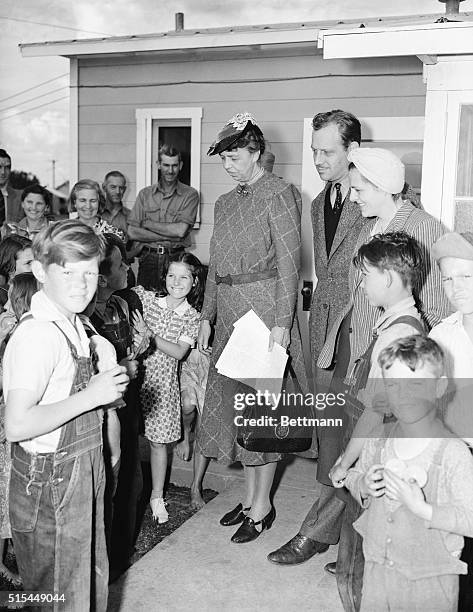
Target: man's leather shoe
[
  {"x": 331, "y": 568},
  {"x": 235, "y": 516},
  {"x": 298, "y": 550}
]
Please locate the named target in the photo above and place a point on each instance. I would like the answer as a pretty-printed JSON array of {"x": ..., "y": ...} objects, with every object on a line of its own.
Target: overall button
[
  {"x": 57, "y": 481},
  {"x": 388, "y": 540},
  {"x": 390, "y": 519},
  {"x": 391, "y": 563}
]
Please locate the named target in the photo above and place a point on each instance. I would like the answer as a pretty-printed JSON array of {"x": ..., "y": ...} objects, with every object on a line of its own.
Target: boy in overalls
[
  {"x": 57, "y": 480},
  {"x": 415, "y": 479}
]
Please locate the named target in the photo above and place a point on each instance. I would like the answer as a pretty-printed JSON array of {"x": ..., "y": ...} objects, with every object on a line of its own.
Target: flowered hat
[{"x": 232, "y": 131}]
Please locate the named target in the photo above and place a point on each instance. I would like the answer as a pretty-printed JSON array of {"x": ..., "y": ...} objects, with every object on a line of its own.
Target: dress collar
[{"x": 180, "y": 310}]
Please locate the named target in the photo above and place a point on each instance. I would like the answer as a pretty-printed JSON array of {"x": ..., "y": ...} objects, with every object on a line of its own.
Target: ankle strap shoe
[
  {"x": 235, "y": 516},
  {"x": 247, "y": 531}
]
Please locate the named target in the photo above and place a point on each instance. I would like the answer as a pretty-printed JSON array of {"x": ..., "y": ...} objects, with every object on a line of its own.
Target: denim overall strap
[
  {"x": 84, "y": 432},
  {"x": 361, "y": 370}
]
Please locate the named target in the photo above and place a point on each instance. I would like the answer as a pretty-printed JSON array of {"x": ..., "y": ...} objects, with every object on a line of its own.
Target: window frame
[{"x": 144, "y": 133}]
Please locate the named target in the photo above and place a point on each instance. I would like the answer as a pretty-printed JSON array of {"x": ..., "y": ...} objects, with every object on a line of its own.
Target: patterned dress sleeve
[
  {"x": 190, "y": 328},
  {"x": 285, "y": 227}
]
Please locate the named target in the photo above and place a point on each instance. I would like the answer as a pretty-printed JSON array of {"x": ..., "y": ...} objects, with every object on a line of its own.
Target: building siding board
[
  {"x": 278, "y": 111},
  {"x": 107, "y": 116},
  {"x": 307, "y": 89},
  {"x": 257, "y": 65}
]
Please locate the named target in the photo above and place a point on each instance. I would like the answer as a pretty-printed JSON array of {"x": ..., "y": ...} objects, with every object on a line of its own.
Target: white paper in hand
[{"x": 246, "y": 356}]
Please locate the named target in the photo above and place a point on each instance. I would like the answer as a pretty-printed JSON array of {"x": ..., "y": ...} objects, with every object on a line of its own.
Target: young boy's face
[
  {"x": 117, "y": 278},
  {"x": 457, "y": 279},
  {"x": 411, "y": 395},
  {"x": 70, "y": 287},
  {"x": 374, "y": 283}
]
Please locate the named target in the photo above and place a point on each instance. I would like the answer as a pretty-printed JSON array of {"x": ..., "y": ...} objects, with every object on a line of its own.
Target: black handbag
[{"x": 286, "y": 428}]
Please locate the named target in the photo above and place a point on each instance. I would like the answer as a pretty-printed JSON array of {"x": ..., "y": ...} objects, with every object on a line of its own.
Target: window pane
[
  {"x": 175, "y": 132},
  {"x": 464, "y": 216},
  {"x": 465, "y": 153}
]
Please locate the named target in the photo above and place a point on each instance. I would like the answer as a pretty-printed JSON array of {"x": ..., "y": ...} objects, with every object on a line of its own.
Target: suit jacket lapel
[
  {"x": 320, "y": 224},
  {"x": 350, "y": 213}
]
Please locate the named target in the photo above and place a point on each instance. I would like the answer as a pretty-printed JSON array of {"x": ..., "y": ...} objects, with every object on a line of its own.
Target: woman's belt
[{"x": 243, "y": 279}]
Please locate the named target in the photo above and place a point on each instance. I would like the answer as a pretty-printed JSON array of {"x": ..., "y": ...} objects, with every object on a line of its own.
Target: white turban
[{"x": 381, "y": 167}]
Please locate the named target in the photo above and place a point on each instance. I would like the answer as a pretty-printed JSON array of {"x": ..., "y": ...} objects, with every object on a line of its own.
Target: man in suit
[
  {"x": 10, "y": 199},
  {"x": 336, "y": 224}
]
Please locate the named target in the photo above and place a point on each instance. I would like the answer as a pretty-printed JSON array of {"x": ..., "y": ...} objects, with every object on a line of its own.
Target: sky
[{"x": 34, "y": 96}]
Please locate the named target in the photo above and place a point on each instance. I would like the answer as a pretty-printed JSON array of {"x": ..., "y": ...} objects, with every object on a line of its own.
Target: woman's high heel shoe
[
  {"x": 247, "y": 531},
  {"x": 235, "y": 516}
]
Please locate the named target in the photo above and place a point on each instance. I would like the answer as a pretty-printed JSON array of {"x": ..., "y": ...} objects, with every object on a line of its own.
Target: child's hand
[
  {"x": 408, "y": 494},
  {"x": 139, "y": 323},
  {"x": 338, "y": 474},
  {"x": 7, "y": 323},
  {"x": 106, "y": 387},
  {"x": 372, "y": 482},
  {"x": 131, "y": 365},
  {"x": 204, "y": 337},
  {"x": 142, "y": 333}
]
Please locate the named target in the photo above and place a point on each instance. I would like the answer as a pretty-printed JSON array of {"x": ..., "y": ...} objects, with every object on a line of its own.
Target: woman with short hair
[{"x": 87, "y": 203}]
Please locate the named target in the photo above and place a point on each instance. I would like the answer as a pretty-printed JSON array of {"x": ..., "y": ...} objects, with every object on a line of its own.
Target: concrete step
[{"x": 199, "y": 568}]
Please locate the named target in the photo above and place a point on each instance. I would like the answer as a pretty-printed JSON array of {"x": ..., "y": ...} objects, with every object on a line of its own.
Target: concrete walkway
[{"x": 198, "y": 568}]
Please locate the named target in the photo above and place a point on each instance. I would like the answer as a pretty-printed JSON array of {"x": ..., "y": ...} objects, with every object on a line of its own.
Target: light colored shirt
[
  {"x": 375, "y": 385},
  {"x": 38, "y": 359},
  {"x": 117, "y": 217},
  {"x": 457, "y": 346},
  {"x": 179, "y": 206}
]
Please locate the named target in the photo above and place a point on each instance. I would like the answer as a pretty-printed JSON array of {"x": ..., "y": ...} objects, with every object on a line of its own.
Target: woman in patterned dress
[
  {"x": 254, "y": 263},
  {"x": 88, "y": 202}
]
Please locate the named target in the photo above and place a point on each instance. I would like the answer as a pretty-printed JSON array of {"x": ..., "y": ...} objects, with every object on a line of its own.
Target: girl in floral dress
[{"x": 171, "y": 322}]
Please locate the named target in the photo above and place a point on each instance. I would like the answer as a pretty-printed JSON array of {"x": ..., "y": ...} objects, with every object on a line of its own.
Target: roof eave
[
  {"x": 121, "y": 45},
  {"x": 448, "y": 38}
]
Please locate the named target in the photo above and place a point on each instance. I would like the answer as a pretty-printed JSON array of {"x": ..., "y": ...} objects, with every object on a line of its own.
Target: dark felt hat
[{"x": 232, "y": 131}]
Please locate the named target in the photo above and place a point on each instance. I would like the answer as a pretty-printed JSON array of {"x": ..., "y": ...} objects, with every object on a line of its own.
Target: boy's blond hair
[{"x": 67, "y": 241}]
